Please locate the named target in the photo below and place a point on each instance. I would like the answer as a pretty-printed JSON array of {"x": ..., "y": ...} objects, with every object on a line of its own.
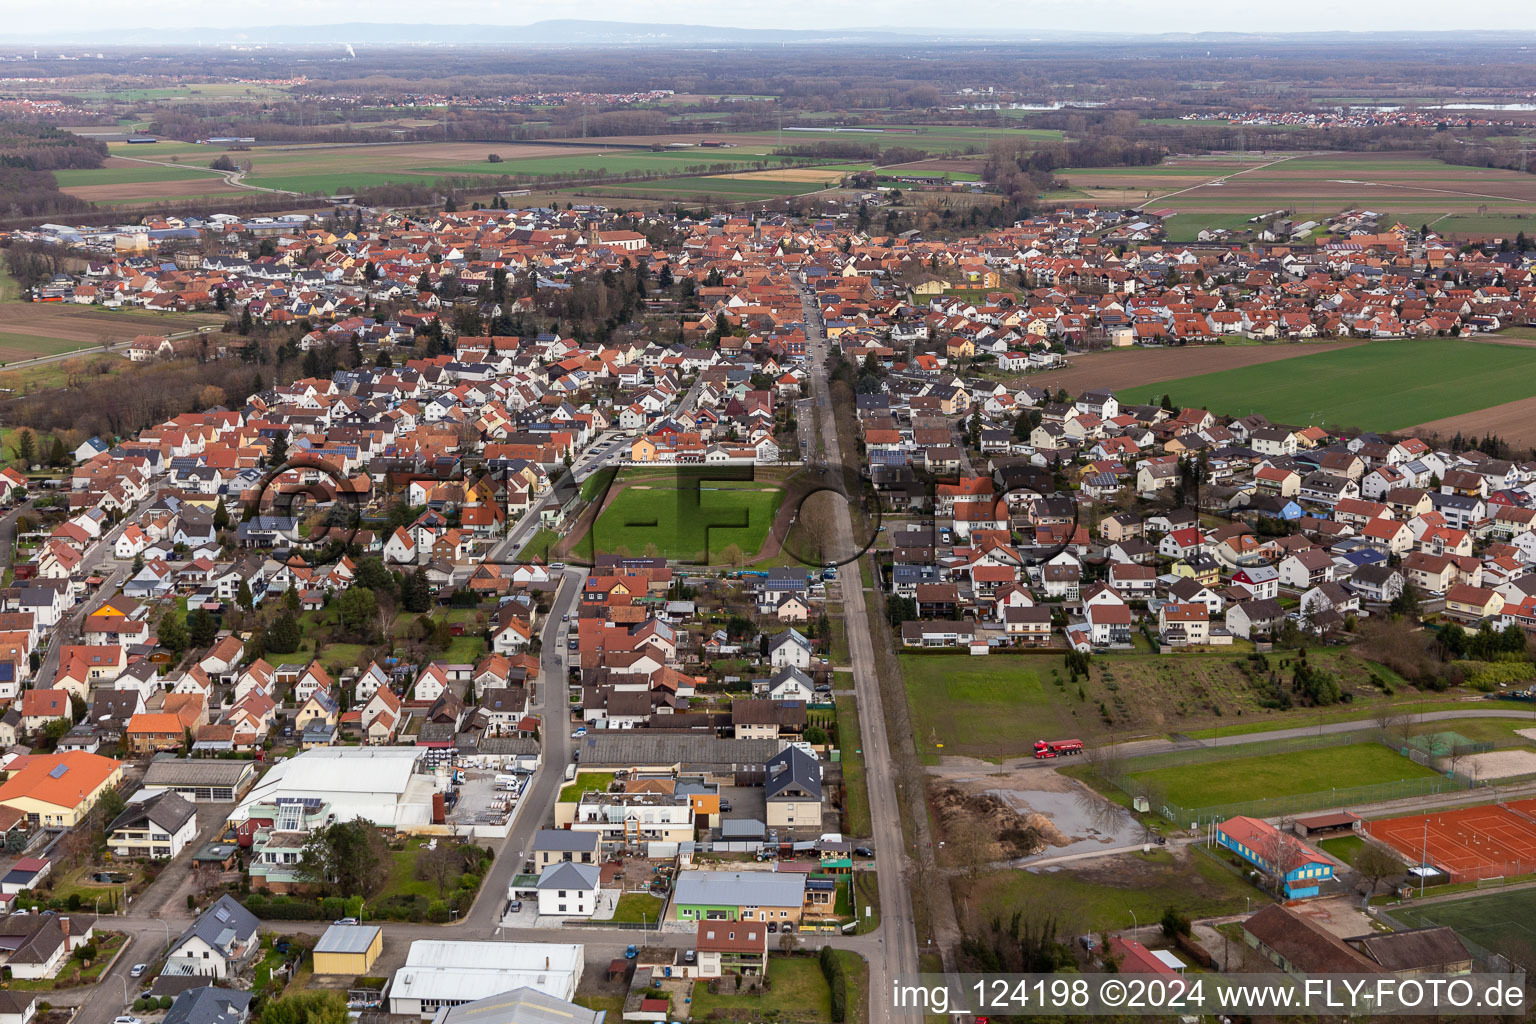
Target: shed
[{"x": 348, "y": 949}]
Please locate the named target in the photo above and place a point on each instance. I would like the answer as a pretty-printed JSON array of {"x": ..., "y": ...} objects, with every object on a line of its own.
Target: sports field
[
  {"x": 1291, "y": 773},
  {"x": 692, "y": 524},
  {"x": 1386, "y": 385},
  {"x": 1502, "y": 922}
]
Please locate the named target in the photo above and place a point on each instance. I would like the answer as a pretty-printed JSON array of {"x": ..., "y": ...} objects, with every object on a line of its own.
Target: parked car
[
  {"x": 138, "y": 970},
  {"x": 688, "y": 956},
  {"x": 345, "y": 920},
  {"x": 578, "y": 733},
  {"x": 863, "y": 851},
  {"x": 126, "y": 1019},
  {"x": 515, "y": 907}
]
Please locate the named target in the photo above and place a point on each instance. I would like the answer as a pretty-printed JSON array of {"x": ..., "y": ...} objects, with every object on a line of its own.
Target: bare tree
[
  {"x": 1279, "y": 852},
  {"x": 1373, "y": 864}
]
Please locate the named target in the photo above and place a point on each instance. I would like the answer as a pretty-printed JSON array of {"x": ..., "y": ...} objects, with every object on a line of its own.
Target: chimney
[
  {"x": 546, "y": 963},
  {"x": 64, "y": 926}
]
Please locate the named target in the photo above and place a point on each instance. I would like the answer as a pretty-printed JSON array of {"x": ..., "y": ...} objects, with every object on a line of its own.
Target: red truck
[{"x": 1057, "y": 748}]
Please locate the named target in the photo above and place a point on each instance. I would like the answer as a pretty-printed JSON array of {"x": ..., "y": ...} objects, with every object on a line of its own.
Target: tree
[
  {"x": 58, "y": 455},
  {"x": 283, "y": 636},
  {"x": 108, "y": 807},
  {"x": 277, "y": 450},
  {"x": 310, "y": 1006},
  {"x": 346, "y": 858},
  {"x": 441, "y": 865},
  {"x": 416, "y": 593},
  {"x": 356, "y": 609},
  {"x": 1174, "y": 923},
  {"x": 173, "y": 634},
  {"x": 372, "y": 573},
  {"x": 26, "y": 447},
  {"x": 202, "y": 627},
  {"x": 243, "y": 596},
  {"x": 1374, "y": 864}
]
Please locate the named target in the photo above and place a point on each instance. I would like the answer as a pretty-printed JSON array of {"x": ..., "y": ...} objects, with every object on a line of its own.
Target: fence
[{"x": 1123, "y": 777}]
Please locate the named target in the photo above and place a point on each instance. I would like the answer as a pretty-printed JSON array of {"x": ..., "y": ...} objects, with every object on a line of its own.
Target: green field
[
  {"x": 1106, "y": 893},
  {"x": 698, "y": 188},
  {"x": 1291, "y": 773},
  {"x": 690, "y": 524},
  {"x": 1185, "y": 227},
  {"x": 132, "y": 175},
  {"x": 983, "y": 707},
  {"x": 1503, "y": 922},
  {"x": 1379, "y": 386}
]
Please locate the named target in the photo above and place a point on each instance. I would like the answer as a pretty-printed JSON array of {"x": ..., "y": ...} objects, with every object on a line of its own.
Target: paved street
[{"x": 896, "y": 942}]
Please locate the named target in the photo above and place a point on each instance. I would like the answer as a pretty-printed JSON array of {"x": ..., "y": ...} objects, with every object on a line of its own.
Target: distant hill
[{"x": 579, "y": 33}]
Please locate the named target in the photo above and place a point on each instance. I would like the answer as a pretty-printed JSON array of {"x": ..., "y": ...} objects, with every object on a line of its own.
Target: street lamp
[{"x": 1135, "y": 924}]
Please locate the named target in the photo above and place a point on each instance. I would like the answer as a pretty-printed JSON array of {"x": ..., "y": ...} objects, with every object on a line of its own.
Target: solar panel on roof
[{"x": 58, "y": 771}]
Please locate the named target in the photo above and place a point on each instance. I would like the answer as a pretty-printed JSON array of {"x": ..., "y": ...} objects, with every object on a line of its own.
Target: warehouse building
[{"x": 440, "y": 973}]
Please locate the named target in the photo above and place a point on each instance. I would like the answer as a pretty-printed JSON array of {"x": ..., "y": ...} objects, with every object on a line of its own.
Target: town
[{"x": 497, "y": 610}]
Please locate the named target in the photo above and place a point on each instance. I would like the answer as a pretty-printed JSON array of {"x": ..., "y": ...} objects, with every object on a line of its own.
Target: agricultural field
[
  {"x": 1123, "y": 368},
  {"x": 691, "y": 524},
  {"x": 30, "y": 329},
  {"x": 1388, "y": 385},
  {"x": 1288, "y": 773},
  {"x": 1224, "y": 191}
]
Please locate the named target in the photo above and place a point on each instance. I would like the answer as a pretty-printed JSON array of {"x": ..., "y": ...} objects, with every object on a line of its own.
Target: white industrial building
[
  {"x": 378, "y": 784},
  {"x": 439, "y": 973}
]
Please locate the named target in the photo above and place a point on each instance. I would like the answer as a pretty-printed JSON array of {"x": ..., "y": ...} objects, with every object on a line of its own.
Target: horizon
[{"x": 112, "y": 20}]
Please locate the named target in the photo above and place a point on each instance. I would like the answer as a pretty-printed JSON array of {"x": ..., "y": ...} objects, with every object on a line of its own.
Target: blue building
[{"x": 1260, "y": 843}]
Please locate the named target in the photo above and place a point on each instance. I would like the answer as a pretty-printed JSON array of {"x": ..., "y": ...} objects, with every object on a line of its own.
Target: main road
[{"x": 896, "y": 942}]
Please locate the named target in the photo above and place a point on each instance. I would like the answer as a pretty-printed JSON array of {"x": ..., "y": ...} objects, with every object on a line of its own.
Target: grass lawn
[
  {"x": 586, "y": 782},
  {"x": 1346, "y": 848},
  {"x": 856, "y": 797},
  {"x": 1365, "y": 716},
  {"x": 683, "y": 522},
  {"x": 985, "y": 707},
  {"x": 1379, "y": 386},
  {"x": 1104, "y": 893},
  {"x": 1504, "y": 922},
  {"x": 868, "y": 885},
  {"x": 74, "y": 973},
  {"x": 538, "y": 546},
  {"x": 1284, "y": 774},
  {"x": 638, "y": 907},
  {"x": 799, "y": 993}
]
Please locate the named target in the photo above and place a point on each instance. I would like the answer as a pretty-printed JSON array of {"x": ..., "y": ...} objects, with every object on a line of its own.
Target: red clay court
[{"x": 1468, "y": 843}]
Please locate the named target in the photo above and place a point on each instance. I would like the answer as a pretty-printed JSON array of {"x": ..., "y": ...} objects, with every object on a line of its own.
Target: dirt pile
[{"x": 987, "y": 826}]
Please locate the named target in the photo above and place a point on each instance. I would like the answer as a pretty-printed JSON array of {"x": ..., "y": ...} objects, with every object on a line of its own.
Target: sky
[{"x": 1086, "y": 16}]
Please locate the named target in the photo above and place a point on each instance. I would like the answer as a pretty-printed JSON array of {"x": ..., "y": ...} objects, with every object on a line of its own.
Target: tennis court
[{"x": 1467, "y": 843}]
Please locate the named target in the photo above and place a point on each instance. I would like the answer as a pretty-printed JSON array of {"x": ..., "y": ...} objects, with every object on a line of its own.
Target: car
[
  {"x": 863, "y": 851},
  {"x": 282, "y": 945},
  {"x": 138, "y": 970},
  {"x": 631, "y": 952},
  {"x": 575, "y": 644},
  {"x": 578, "y": 733},
  {"x": 773, "y": 927},
  {"x": 688, "y": 956},
  {"x": 515, "y": 907},
  {"x": 126, "y": 1019},
  {"x": 565, "y": 618},
  {"x": 345, "y": 920}
]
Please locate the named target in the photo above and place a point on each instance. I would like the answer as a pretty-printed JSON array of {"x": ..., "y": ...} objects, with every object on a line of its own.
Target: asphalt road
[
  {"x": 896, "y": 940},
  {"x": 68, "y": 630}
]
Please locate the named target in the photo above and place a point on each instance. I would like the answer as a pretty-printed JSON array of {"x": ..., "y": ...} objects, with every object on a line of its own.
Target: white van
[{"x": 570, "y": 772}]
